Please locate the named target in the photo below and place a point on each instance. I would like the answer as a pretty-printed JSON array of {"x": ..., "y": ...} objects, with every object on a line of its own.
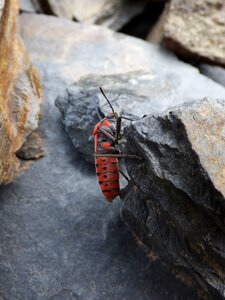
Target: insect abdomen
[{"x": 107, "y": 170}]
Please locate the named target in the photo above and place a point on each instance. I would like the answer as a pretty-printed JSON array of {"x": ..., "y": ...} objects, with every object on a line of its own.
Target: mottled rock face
[
  {"x": 196, "y": 29},
  {"x": 182, "y": 180},
  {"x": 20, "y": 93}
]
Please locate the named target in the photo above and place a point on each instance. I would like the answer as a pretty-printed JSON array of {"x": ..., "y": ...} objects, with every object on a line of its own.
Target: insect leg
[
  {"x": 118, "y": 128},
  {"x": 110, "y": 136},
  {"x": 125, "y": 176}
]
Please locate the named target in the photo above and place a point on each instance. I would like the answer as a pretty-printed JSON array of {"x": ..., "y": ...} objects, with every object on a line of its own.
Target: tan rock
[
  {"x": 196, "y": 29},
  {"x": 20, "y": 93}
]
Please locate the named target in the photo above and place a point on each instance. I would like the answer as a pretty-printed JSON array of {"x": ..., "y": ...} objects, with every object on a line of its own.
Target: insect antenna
[{"x": 107, "y": 100}]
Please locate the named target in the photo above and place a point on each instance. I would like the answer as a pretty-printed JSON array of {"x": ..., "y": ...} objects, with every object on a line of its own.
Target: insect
[{"x": 107, "y": 136}]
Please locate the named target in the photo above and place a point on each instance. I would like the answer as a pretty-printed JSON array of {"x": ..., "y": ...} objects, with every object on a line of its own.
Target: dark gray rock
[{"x": 180, "y": 185}]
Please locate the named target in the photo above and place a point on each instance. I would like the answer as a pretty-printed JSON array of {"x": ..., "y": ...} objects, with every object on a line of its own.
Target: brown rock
[
  {"x": 196, "y": 28},
  {"x": 20, "y": 93}
]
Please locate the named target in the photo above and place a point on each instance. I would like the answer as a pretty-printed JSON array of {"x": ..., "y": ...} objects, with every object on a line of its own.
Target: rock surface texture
[
  {"x": 20, "y": 94},
  {"x": 59, "y": 239},
  {"x": 181, "y": 184},
  {"x": 196, "y": 29}
]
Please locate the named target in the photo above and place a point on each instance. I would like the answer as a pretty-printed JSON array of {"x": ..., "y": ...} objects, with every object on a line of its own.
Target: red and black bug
[{"x": 107, "y": 137}]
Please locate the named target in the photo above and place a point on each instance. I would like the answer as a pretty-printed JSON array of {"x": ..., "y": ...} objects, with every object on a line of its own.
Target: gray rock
[{"x": 181, "y": 184}]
